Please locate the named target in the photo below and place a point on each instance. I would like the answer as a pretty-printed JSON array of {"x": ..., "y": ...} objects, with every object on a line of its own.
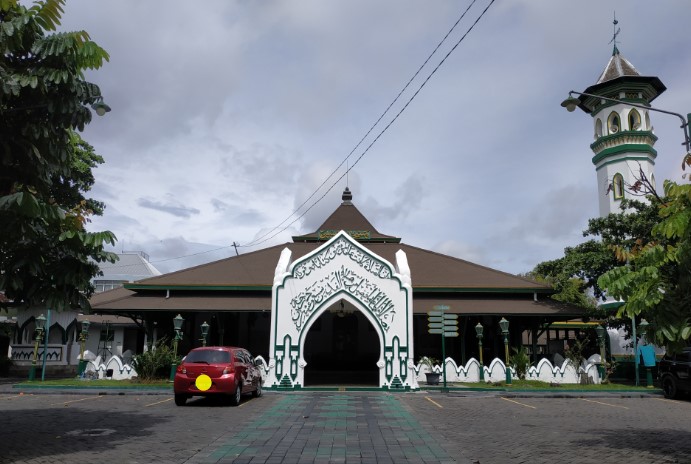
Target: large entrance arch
[
  {"x": 341, "y": 270},
  {"x": 342, "y": 348}
]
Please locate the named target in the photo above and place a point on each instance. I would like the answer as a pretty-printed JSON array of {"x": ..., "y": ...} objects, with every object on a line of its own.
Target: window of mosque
[
  {"x": 634, "y": 120},
  {"x": 618, "y": 186},
  {"x": 598, "y": 128},
  {"x": 647, "y": 121},
  {"x": 613, "y": 123}
]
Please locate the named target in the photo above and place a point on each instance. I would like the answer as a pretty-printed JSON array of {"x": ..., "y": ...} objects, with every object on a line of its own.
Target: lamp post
[
  {"x": 572, "y": 102},
  {"x": 177, "y": 325},
  {"x": 648, "y": 374},
  {"x": 205, "y": 332},
  {"x": 83, "y": 337},
  {"x": 40, "y": 324},
  {"x": 478, "y": 331},
  {"x": 600, "y": 330},
  {"x": 504, "y": 325}
]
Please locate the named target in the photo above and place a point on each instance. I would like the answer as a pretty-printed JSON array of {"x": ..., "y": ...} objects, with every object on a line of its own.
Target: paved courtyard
[{"x": 343, "y": 427}]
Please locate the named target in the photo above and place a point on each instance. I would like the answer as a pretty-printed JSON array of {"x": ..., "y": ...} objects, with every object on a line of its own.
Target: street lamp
[
  {"x": 504, "y": 325},
  {"x": 205, "y": 332},
  {"x": 83, "y": 337},
  {"x": 177, "y": 325},
  {"x": 40, "y": 324},
  {"x": 572, "y": 102},
  {"x": 600, "y": 331},
  {"x": 478, "y": 331}
]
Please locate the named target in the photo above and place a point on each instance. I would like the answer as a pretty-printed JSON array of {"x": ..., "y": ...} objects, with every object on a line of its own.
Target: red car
[{"x": 217, "y": 371}]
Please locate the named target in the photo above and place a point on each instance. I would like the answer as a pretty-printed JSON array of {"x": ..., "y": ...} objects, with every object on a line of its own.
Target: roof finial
[
  {"x": 347, "y": 197},
  {"x": 616, "y": 30}
]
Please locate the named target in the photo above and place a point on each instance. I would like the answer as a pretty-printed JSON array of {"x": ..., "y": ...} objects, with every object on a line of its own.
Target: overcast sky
[{"x": 227, "y": 115}]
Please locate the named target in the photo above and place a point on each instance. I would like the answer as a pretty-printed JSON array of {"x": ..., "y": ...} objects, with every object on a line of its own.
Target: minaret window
[
  {"x": 598, "y": 128},
  {"x": 618, "y": 186},
  {"x": 634, "y": 120},
  {"x": 647, "y": 121},
  {"x": 613, "y": 123}
]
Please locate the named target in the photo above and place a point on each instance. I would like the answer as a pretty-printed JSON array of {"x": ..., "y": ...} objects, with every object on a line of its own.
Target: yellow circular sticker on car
[{"x": 203, "y": 382}]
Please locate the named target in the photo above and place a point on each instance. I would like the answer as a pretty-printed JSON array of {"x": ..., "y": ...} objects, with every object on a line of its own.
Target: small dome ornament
[{"x": 347, "y": 197}]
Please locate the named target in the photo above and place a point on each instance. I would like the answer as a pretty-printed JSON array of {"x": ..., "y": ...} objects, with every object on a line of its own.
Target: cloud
[{"x": 174, "y": 209}]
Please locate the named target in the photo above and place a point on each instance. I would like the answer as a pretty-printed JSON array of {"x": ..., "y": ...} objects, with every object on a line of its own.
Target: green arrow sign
[
  {"x": 450, "y": 334},
  {"x": 435, "y": 313},
  {"x": 451, "y": 317},
  {"x": 435, "y": 325},
  {"x": 435, "y": 319},
  {"x": 436, "y": 331},
  {"x": 451, "y": 324}
]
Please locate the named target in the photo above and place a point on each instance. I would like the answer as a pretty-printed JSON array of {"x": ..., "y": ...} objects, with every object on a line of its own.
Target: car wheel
[
  {"x": 669, "y": 386},
  {"x": 237, "y": 395},
  {"x": 180, "y": 400},
  {"x": 258, "y": 391}
]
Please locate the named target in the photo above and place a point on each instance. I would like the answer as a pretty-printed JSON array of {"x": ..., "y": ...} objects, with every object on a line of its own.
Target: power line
[
  {"x": 259, "y": 240},
  {"x": 263, "y": 238}
]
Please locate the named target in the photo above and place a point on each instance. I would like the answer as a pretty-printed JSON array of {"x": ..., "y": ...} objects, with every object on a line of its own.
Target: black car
[{"x": 674, "y": 373}]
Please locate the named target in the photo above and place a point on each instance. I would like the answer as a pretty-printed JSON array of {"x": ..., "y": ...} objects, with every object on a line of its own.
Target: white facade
[
  {"x": 341, "y": 270},
  {"x": 622, "y": 127}
]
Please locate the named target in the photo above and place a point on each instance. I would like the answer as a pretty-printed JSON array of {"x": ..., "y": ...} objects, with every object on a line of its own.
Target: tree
[
  {"x": 46, "y": 255},
  {"x": 655, "y": 280},
  {"x": 575, "y": 275}
]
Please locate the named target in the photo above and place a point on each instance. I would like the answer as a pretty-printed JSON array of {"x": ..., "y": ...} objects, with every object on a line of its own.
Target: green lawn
[{"x": 74, "y": 382}]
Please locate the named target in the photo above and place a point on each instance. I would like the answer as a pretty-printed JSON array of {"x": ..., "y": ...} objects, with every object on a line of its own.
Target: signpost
[{"x": 446, "y": 325}]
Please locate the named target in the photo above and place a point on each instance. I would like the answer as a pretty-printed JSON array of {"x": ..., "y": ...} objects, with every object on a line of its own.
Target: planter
[{"x": 432, "y": 378}]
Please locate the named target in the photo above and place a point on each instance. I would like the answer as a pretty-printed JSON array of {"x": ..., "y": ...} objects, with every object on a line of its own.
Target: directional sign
[
  {"x": 436, "y": 325},
  {"x": 435, "y": 319},
  {"x": 450, "y": 334},
  {"x": 436, "y": 331},
  {"x": 435, "y": 313},
  {"x": 450, "y": 317}
]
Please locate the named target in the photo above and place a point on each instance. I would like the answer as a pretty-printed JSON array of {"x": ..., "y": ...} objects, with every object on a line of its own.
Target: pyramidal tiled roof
[
  {"x": 618, "y": 66},
  {"x": 347, "y": 217}
]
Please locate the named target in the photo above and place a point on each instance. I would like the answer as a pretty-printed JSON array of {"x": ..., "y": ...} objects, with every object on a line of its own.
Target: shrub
[
  {"x": 155, "y": 363},
  {"x": 520, "y": 361}
]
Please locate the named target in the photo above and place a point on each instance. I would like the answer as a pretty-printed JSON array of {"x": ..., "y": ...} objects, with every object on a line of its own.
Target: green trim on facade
[
  {"x": 627, "y": 158},
  {"x": 480, "y": 289},
  {"x": 621, "y": 149},
  {"x": 642, "y": 135},
  {"x": 199, "y": 287}
]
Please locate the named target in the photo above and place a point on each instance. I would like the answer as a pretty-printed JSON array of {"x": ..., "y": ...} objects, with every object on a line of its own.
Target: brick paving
[
  {"x": 330, "y": 428},
  {"x": 604, "y": 429},
  {"x": 333, "y": 427}
]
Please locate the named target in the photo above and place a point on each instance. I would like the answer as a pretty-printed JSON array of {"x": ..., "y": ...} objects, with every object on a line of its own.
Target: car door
[
  {"x": 253, "y": 373},
  {"x": 241, "y": 370}
]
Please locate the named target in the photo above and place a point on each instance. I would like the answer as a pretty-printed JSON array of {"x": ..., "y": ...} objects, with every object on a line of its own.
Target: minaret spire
[{"x": 615, "y": 32}]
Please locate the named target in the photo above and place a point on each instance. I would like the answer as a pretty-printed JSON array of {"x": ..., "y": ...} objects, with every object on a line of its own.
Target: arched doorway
[{"x": 342, "y": 348}]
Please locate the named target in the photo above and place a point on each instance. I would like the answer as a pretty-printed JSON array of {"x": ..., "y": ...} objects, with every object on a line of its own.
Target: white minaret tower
[{"x": 624, "y": 136}]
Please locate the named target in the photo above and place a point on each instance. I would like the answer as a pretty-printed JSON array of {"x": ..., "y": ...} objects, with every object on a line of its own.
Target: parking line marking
[
  {"x": 19, "y": 395},
  {"x": 158, "y": 402},
  {"x": 522, "y": 404},
  {"x": 76, "y": 401},
  {"x": 606, "y": 404},
  {"x": 434, "y": 402},
  {"x": 668, "y": 400}
]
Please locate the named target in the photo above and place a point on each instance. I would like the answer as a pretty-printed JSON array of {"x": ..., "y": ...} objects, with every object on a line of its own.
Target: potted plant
[{"x": 430, "y": 362}]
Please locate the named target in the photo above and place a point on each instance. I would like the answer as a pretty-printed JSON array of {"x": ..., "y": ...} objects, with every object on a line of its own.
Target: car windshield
[{"x": 208, "y": 357}]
